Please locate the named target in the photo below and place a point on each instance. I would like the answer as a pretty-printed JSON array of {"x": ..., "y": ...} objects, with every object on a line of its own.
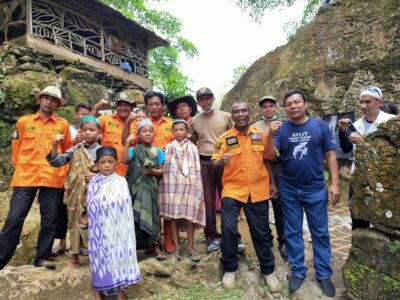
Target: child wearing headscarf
[
  {"x": 111, "y": 232},
  {"x": 145, "y": 164}
]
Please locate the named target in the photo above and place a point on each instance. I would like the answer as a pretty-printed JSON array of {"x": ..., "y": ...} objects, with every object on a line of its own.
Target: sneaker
[
  {"x": 282, "y": 251},
  {"x": 241, "y": 247},
  {"x": 47, "y": 264},
  {"x": 214, "y": 245},
  {"x": 228, "y": 281},
  {"x": 295, "y": 283},
  {"x": 272, "y": 282},
  {"x": 327, "y": 287}
]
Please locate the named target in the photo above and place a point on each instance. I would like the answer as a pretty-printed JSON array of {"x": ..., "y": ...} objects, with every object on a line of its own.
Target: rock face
[
  {"x": 348, "y": 45},
  {"x": 372, "y": 269}
]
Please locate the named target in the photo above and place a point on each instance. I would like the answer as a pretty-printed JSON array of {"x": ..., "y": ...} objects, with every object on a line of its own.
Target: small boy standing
[
  {"x": 82, "y": 167},
  {"x": 111, "y": 231}
]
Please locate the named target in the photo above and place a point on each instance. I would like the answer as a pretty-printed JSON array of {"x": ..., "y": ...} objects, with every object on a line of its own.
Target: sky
[{"x": 226, "y": 37}]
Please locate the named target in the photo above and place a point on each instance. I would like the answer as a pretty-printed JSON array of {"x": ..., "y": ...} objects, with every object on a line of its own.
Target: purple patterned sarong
[{"x": 111, "y": 234}]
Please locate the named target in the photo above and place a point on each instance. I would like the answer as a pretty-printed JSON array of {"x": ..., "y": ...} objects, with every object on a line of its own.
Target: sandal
[
  {"x": 74, "y": 263},
  {"x": 176, "y": 255},
  {"x": 161, "y": 256},
  {"x": 194, "y": 257},
  {"x": 57, "y": 251}
]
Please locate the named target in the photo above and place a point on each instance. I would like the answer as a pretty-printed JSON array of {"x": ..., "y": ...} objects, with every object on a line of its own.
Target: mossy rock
[
  {"x": 375, "y": 249},
  {"x": 20, "y": 90},
  {"x": 363, "y": 282},
  {"x": 79, "y": 92},
  {"x": 67, "y": 112},
  {"x": 69, "y": 73},
  {"x": 136, "y": 95}
]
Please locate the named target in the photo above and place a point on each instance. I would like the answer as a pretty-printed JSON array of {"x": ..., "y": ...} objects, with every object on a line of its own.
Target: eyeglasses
[{"x": 373, "y": 89}]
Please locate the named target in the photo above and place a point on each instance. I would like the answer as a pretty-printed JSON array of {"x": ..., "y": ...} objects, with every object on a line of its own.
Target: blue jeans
[{"x": 314, "y": 203}]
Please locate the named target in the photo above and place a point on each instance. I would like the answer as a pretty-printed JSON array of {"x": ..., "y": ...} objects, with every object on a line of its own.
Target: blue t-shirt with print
[
  {"x": 302, "y": 148},
  {"x": 155, "y": 150}
]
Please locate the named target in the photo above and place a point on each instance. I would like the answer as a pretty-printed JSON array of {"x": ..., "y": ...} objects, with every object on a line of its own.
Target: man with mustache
[
  {"x": 303, "y": 144},
  {"x": 31, "y": 142}
]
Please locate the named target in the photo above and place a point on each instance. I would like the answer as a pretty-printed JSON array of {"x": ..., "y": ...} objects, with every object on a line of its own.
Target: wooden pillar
[
  {"x": 29, "y": 16},
  {"x": 103, "y": 58}
]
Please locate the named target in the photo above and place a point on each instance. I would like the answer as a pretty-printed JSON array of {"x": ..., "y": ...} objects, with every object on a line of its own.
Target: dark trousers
[
  {"x": 211, "y": 177},
  {"x": 20, "y": 204},
  {"x": 257, "y": 219},
  {"x": 356, "y": 223},
  {"x": 276, "y": 205},
  {"x": 62, "y": 221}
]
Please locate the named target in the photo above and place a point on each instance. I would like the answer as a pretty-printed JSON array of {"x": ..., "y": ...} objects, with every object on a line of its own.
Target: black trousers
[
  {"x": 276, "y": 205},
  {"x": 20, "y": 204},
  {"x": 62, "y": 221},
  {"x": 257, "y": 219}
]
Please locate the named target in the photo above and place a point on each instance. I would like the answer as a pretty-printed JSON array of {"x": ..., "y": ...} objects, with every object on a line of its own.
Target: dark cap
[
  {"x": 203, "y": 91},
  {"x": 267, "y": 98},
  {"x": 172, "y": 105},
  {"x": 106, "y": 151}
]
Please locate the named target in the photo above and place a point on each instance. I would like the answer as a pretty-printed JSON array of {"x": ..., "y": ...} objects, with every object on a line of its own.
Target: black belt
[{"x": 203, "y": 157}]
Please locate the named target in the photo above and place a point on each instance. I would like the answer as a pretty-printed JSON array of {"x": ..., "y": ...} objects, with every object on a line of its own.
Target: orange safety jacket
[{"x": 31, "y": 143}]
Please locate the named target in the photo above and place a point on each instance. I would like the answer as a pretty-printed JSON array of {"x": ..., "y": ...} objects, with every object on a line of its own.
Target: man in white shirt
[{"x": 370, "y": 99}]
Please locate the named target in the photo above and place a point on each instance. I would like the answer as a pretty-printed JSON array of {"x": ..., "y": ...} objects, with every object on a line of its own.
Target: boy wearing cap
[
  {"x": 112, "y": 126},
  {"x": 82, "y": 158},
  {"x": 268, "y": 111},
  {"x": 370, "y": 99},
  {"x": 205, "y": 129},
  {"x": 31, "y": 142},
  {"x": 81, "y": 110}
]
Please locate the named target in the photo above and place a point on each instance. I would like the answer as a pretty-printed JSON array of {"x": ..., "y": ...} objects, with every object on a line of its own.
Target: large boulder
[
  {"x": 376, "y": 186},
  {"x": 372, "y": 268}
]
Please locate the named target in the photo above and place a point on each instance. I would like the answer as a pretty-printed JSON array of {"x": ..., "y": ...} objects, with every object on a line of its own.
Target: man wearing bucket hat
[
  {"x": 32, "y": 140},
  {"x": 112, "y": 126},
  {"x": 205, "y": 129},
  {"x": 369, "y": 101},
  {"x": 183, "y": 107}
]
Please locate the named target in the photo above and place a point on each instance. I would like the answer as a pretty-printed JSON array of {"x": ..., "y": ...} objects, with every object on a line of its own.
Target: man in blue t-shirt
[{"x": 303, "y": 144}]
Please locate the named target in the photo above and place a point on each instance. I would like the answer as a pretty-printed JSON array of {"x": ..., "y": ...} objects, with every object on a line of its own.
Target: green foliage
[
  {"x": 257, "y": 8},
  {"x": 164, "y": 64},
  {"x": 238, "y": 72}
]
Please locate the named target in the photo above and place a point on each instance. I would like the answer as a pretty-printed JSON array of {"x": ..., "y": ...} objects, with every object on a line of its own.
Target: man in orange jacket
[{"x": 31, "y": 142}]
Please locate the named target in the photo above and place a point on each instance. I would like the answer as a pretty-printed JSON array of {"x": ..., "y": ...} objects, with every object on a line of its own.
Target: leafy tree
[
  {"x": 238, "y": 72},
  {"x": 257, "y": 8},
  {"x": 164, "y": 64}
]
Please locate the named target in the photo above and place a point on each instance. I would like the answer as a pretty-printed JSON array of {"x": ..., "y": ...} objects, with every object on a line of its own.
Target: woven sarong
[
  {"x": 75, "y": 196},
  {"x": 181, "y": 189},
  {"x": 144, "y": 192}
]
